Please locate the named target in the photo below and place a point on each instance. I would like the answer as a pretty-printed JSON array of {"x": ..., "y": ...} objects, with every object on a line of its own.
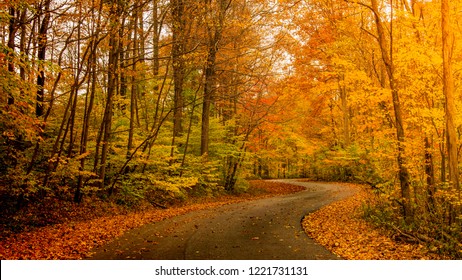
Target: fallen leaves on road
[
  {"x": 340, "y": 228},
  {"x": 75, "y": 238}
]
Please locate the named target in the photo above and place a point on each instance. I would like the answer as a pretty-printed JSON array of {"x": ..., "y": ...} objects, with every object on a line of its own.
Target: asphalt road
[{"x": 254, "y": 230}]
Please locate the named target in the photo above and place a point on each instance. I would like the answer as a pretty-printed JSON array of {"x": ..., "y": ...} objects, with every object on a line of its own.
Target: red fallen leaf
[{"x": 87, "y": 228}]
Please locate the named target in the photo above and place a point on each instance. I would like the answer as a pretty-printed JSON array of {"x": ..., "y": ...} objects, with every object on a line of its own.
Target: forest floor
[
  {"x": 64, "y": 230},
  {"x": 78, "y": 229},
  {"x": 342, "y": 229}
]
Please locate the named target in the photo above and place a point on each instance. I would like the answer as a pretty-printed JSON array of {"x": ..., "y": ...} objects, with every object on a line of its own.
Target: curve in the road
[{"x": 253, "y": 230}]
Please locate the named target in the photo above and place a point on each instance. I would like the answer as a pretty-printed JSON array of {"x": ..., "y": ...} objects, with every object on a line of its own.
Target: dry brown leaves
[
  {"x": 76, "y": 238},
  {"x": 340, "y": 228}
]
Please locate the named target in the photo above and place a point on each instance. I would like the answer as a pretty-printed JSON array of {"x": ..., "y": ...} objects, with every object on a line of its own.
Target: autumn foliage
[
  {"x": 164, "y": 101},
  {"x": 343, "y": 228},
  {"x": 73, "y": 232}
]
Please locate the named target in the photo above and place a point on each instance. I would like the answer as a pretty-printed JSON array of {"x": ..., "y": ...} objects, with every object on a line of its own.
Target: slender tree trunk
[
  {"x": 134, "y": 88},
  {"x": 448, "y": 89},
  {"x": 123, "y": 57},
  {"x": 443, "y": 157},
  {"x": 346, "y": 114},
  {"x": 178, "y": 50},
  {"x": 141, "y": 104},
  {"x": 78, "y": 81},
  {"x": 22, "y": 46},
  {"x": 430, "y": 174},
  {"x": 112, "y": 82},
  {"x": 214, "y": 34},
  {"x": 71, "y": 125},
  {"x": 155, "y": 43},
  {"x": 89, "y": 101},
  {"x": 188, "y": 136},
  {"x": 208, "y": 95},
  {"x": 41, "y": 55},
  {"x": 333, "y": 123},
  {"x": 12, "y": 29},
  {"x": 386, "y": 49}
]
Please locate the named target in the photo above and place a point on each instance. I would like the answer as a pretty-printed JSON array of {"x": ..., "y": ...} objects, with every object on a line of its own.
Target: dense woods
[{"x": 160, "y": 100}]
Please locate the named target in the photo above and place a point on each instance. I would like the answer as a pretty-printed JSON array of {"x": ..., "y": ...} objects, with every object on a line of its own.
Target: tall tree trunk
[
  {"x": 134, "y": 86},
  {"x": 178, "y": 50},
  {"x": 188, "y": 135},
  {"x": 386, "y": 49},
  {"x": 123, "y": 57},
  {"x": 448, "y": 89},
  {"x": 22, "y": 46},
  {"x": 155, "y": 43},
  {"x": 41, "y": 55},
  {"x": 346, "y": 114},
  {"x": 89, "y": 100},
  {"x": 112, "y": 83},
  {"x": 155, "y": 58},
  {"x": 208, "y": 95},
  {"x": 430, "y": 174},
  {"x": 12, "y": 29},
  {"x": 442, "y": 149},
  {"x": 214, "y": 34}
]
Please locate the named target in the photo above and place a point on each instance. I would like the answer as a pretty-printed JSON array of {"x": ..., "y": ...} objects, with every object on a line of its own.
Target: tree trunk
[
  {"x": 123, "y": 80},
  {"x": 89, "y": 102},
  {"x": 188, "y": 135},
  {"x": 346, "y": 115},
  {"x": 430, "y": 174},
  {"x": 134, "y": 88},
  {"x": 386, "y": 49},
  {"x": 112, "y": 78},
  {"x": 448, "y": 90},
  {"x": 22, "y": 47},
  {"x": 208, "y": 95},
  {"x": 178, "y": 50},
  {"x": 155, "y": 44},
  {"x": 443, "y": 157},
  {"x": 214, "y": 34},
  {"x": 12, "y": 28},
  {"x": 41, "y": 55}
]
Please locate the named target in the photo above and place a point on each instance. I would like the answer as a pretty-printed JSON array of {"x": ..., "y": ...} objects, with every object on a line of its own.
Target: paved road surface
[{"x": 254, "y": 230}]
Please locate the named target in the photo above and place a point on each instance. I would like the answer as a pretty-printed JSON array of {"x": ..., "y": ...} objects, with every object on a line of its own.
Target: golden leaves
[{"x": 340, "y": 229}]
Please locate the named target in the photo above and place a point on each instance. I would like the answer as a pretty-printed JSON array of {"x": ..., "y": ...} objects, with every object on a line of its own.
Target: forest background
[{"x": 159, "y": 101}]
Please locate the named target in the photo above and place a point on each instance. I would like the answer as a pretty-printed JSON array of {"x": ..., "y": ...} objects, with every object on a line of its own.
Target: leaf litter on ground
[
  {"x": 75, "y": 236},
  {"x": 341, "y": 228}
]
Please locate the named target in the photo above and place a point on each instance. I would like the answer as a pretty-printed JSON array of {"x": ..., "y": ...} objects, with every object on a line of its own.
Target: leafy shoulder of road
[
  {"x": 342, "y": 229},
  {"x": 77, "y": 234}
]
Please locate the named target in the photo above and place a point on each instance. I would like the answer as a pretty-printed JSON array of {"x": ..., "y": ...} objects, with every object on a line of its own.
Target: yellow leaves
[
  {"x": 447, "y": 192},
  {"x": 340, "y": 229}
]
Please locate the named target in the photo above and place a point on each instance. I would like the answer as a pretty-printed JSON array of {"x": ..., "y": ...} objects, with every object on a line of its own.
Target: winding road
[{"x": 253, "y": 230}]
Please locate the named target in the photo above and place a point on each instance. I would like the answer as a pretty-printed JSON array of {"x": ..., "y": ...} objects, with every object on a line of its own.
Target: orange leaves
[
  {"x": 74, "y": 240},
  {"x": 340, "y": 229}
]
